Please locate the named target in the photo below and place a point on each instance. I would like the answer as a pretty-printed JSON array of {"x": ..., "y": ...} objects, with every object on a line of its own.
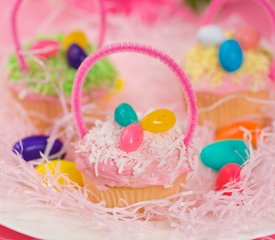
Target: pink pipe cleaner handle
[
  {"x": 17, "y": 42},
  {"x": 135, "y": 48},
  {"x": 216, "y": 5}
]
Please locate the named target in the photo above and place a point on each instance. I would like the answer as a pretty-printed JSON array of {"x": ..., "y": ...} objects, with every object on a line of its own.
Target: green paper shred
[{"x": 60, "y": 74}]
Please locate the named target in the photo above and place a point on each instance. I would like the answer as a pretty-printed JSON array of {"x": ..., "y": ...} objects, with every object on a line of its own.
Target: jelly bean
[
  {"x": 248, "y": 38},
  {"x": 272, "y": 71},
  {"x": 61, "y": 167},
  {"x": 30, "y": 148},
  {"x": 229, "y": 173},
  {"x": 131, "y": 137},
  {"x": 210, "y": 35},
  {"x": 75, "y": 56},
  {"x": 77, "y": 37},
  {"x": 125, "y": 115},
  {"x": 234, "y": 131},
  {"x": 230, "y": 55},
  {"x": 159, "y": 121},
  {"x": 45, "y": 48},
  {"x": 218, "y": 154}
]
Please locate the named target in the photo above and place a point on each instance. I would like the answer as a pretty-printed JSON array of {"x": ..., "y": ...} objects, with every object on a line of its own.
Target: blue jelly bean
[{"x": 230, "y": 55}]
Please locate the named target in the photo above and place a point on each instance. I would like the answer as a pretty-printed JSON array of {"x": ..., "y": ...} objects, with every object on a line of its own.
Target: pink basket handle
[
  {"x": 134, "y": 48},
  {"x": 216, "y": 5},
  {"x": 17, "y": 42}
]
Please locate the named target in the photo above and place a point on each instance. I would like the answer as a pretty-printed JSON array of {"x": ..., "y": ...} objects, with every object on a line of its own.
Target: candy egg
[
  {"x": 61, "y": 167},
  {"x": 233, "y": 131},
  {"x": 75, "y": 56},
  {"x": 77, "y": 37},
  {"x": 45, "y": 48},
  {"x": 131, "y": 138},
  {"x": 210, "y": 35},
  {"x": 248, "y": 38},
  {"x": 30, "y": 148},
  {"x": 218, "y": 154},
  {"x": 229, "y": 173},
  {"x": 125, "y": 115},
  {"x": 159, "y": 121},
  {"x": 230, "y": 55}
]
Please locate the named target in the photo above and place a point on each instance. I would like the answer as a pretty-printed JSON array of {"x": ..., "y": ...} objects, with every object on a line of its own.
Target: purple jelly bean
[
  {"x": 31, "y": 147},
  {"x": 75, "y": 55}
]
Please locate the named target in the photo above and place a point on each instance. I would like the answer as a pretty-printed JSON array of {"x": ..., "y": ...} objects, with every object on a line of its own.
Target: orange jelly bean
[
  {"x": 234, "y": 131},
  {"x": 248, "y": 38}
]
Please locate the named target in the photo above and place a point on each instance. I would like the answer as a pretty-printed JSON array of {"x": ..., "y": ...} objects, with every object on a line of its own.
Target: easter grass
[{"x": 46, "y": 76}]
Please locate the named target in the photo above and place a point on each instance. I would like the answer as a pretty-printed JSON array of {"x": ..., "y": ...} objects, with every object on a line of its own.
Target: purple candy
[
  {"x": 75, "y": 55},
  {"x": 31, "y": 147}
]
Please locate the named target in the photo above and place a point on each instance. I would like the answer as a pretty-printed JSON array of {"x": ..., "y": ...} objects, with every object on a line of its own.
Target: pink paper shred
[{"x": 199, "y": 211}]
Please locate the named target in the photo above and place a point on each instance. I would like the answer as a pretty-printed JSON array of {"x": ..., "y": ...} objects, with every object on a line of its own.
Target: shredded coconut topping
[{"x": 163, "y": 150}]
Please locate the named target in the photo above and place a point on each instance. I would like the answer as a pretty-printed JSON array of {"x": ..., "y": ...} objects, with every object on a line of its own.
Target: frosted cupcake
[
  {"x": 230, "y": 67},
  {"x": 131, "y": 158},
  {"x": 41, "y": 74}
]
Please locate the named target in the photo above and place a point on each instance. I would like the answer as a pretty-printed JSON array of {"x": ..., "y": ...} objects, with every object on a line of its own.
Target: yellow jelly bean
[
  {"x": 61, "y": 167},
  {"x": 77, "y": 37},
  {"x": 119, "y": 85},
  {"x": 159, "y": 121}
]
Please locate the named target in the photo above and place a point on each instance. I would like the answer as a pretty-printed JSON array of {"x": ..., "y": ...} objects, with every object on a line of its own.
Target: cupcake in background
[
  {"x": 41, "y": 74},
  {"x": 230, "y": 66}
]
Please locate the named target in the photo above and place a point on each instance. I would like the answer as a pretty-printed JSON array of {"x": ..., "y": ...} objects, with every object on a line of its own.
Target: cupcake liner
[
  {"x": 123, "y": 196},
  {"x": 234, "y": 109},
  {"x": 43, "y": 111}
]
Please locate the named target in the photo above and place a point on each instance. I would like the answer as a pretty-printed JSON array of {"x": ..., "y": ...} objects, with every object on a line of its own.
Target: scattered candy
[
  {"x": 30, "y": 148},
  {"x": 75, "y": 56},
  {"x": 229, "y": 173},
  {"x": 45, "y": 48},
  {"x": 218, "y": 154},
  {"x": 234, "y": 131},
  {"x": 125, "y": 115},
  {"x": 131, "y": 137},
  {"x": 76, "y": 37},
  {"x": 61, "y": 167},
  {"x": 230, "y": 55},
  {"x": 210, "y": 35},
  {"x": 248, "y": 38},
  {"x": 119, "y": 85},
  {"x": 159, "y": 121}
]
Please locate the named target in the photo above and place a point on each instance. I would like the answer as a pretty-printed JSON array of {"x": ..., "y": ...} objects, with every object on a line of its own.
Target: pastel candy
[
  {"x": 75, "y": 56},
  {"x": 159, "y": 121},
  {"x": 61, "y": 167},
  {"x": 45, "y": 48},
  {"x": 125, "y": 115},
  {"x": 131, "y": 137},
  {"x": 220, "y": 153},
  {"x": 234, "y": 131},
  {"x": 75, "y": 37},
  {"x": 229, "y": 173},
  {"x": 210, "y": 35},
  {"x": 30, "y": 148},
  {"x": 230, "y": 55},
  {"x": 248, "y": 38}
]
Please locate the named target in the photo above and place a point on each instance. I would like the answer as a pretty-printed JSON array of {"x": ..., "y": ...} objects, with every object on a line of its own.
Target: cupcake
[
  {"x": 230, "y": 65},
  {"x": 41, "y": 75},
  {"x": 133, "y": 157}
]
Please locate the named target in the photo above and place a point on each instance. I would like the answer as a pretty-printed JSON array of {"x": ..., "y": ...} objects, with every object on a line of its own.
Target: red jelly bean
[{"x": 45, "y": 48}]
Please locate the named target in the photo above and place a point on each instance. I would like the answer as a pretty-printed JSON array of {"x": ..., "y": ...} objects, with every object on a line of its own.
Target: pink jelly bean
[
  {"x": 272, "y": 71},
  {"x": 131, "y": 137},
  {"x": 248, "y": 38},
  {"x": 45, "y": 48}
]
